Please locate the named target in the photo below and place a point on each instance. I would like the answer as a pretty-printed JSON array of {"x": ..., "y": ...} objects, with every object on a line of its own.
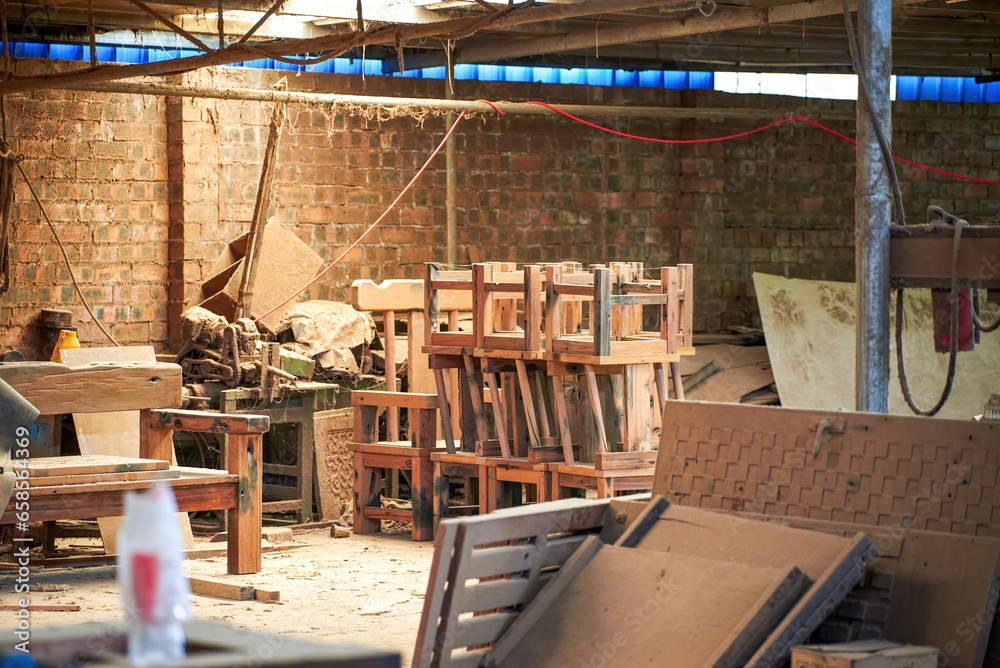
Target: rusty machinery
[{"x": 958, "y": 262}]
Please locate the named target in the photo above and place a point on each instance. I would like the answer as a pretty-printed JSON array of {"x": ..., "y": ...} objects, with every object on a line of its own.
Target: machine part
[
  {"x": 941, "y": 309},
  {"x": 199, "y": 325},
  {"x": 13, "y": 356}
]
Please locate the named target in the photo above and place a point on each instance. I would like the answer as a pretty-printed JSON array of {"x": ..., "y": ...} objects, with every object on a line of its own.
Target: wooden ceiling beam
[{"x": 720, "y": 21}]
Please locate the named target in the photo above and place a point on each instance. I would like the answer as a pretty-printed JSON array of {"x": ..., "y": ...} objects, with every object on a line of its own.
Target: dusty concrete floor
[{"x": 324, "y": 585}]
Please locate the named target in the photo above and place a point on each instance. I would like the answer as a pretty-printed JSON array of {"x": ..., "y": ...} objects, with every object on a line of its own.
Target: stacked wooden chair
[{"x": 531, "y": 436}]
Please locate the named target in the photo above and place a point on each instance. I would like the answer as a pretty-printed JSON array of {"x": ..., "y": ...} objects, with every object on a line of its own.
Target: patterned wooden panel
[{"x": 885, "y": 470}]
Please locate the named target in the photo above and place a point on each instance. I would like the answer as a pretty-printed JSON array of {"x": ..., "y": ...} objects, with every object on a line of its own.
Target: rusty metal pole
[
  {"x": 872, "y": 210},
  {"x": 449, "y": 156}
]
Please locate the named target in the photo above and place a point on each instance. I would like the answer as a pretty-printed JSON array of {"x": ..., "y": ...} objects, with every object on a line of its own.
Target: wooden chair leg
[
  {"x": 562, "y": 418},
  {"x": 422, "y": 493},
  {"x": 595, "y": 405},
  {"x": 244, "y": 520},
  {"x": 367, "y": 489},
  {"x": 544, "y": 487},
  {"x": 604, "y": 489},
  {"x": 442, "y": 511},
  {"x": 557, "y": 491},
  {"x": 675, "y": 376}
]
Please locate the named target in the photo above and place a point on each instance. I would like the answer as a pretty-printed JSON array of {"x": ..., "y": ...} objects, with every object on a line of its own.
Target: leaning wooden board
[
  {"x": 116, "y": 433},
  {"x": 628, "y": 606},
  {"x": 833, "y": 564}
]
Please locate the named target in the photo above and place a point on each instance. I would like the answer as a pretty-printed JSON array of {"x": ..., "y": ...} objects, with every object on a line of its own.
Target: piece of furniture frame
[
  {"x": 373, "y": 458},
  {"x": 154, "y": 389},
  {"x": 298, "y": 405}
]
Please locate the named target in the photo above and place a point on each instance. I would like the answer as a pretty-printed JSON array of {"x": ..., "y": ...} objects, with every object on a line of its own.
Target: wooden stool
[
  {"x": 493, "y": 471},
  {"x": 609, "y": 475},
  {"x": 372, "y": 458}
]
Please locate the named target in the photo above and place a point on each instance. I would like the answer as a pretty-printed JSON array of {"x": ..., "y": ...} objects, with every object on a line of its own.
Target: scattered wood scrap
[
  {"x": 217, "y": 588},
  {"x": 42, "y": 608},
  {"x": 729, "y": 374},
  {"x": 232, "y": 590}
]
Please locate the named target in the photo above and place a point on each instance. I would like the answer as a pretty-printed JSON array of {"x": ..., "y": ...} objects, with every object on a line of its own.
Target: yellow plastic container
[{"x": 67, "y": 339}]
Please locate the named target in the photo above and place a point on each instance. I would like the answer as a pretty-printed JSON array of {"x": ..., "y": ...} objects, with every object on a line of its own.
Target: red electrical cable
[
  {"x": 610, "y": 131},
  {"x": 744, "y": 134},
  {"x": 373, "y": 225}
]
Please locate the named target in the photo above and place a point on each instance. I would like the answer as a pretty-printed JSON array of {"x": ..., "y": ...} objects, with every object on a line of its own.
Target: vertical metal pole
[
  {"x": 872, "y": 209},
  {"x": 449, "y": 155}
]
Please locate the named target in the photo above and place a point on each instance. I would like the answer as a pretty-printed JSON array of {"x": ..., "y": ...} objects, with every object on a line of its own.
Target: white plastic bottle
[{"x": 151, "y": 578}]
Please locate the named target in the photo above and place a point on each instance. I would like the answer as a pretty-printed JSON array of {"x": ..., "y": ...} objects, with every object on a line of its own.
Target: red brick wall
[
  {"x": 99, "y": 164},
  {"x": 126, "y": 174}
]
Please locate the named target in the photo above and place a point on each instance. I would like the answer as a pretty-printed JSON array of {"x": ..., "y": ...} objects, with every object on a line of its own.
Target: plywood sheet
[
  {"x": 115, "y": 433},
  {"x": 809, "y": 326},
  {"x": 695, "y": 532},
  {"x": 632, "y": 607},
  {"x": 944, "y": 594},
  {"x": 832, "y": 564}
]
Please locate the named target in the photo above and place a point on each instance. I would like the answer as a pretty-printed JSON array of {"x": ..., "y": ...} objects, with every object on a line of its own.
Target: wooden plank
[
  {"x": 47, "y": 607},
  {"x": 266, "y": 595},
  {"x": 57, "y": 389},
  {"x": 608, "y": 461},
  {"x": 83, "y": 478},
  {"x": 207, "y": 422},
  {"x": 396, "y": 399},
  {"x": 698, "y": 612},
  {"x": 404, "y": 294},
  {"x": 219, "y": 588},
  {"x": 39, "y": 467},
  {"x": 828, "y": 590},
  {"x": 578, "y": 289}
]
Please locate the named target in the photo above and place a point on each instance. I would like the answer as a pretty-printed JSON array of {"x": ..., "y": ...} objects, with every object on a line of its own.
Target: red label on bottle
[{"x": 145, "y": 582}]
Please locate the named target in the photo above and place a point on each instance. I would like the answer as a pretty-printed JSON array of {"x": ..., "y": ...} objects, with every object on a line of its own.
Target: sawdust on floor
[{"x": 324, "y": 586}]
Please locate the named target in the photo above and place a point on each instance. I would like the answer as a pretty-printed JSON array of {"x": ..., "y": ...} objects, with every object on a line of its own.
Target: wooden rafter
[
  {"x": 500, "y": 49},
  {"x": 256, "y": 26},
  {"x": 171, "y": 25}
]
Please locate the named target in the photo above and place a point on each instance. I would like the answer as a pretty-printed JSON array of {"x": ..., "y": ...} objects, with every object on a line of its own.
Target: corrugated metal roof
[{"x": 937, "y": 89}]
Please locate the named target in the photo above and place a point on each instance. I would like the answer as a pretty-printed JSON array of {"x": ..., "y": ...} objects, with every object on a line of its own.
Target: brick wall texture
[{"x": 145, "y": 191}]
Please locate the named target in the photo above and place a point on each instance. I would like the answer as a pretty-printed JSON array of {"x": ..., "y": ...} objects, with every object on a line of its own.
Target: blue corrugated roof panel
[
  {"x": 946, "y": 89},
  {"x": 940, "y": 89}
]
